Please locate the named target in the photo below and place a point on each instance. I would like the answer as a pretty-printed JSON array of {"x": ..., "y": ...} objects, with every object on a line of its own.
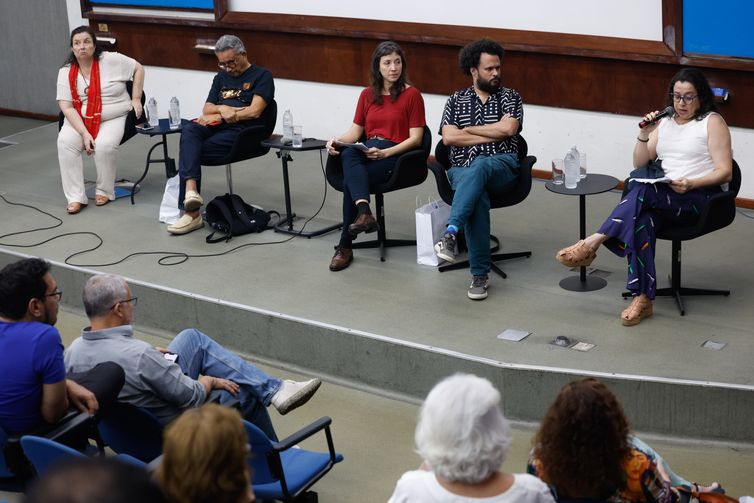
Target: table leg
[
  {"x": 286, "y": 226},
  {"x": 581, "y": 283},
  {"x": 146, "y": 167}
]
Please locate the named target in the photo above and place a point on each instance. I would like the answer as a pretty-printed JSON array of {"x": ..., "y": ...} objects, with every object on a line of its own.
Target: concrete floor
[
  {"x": 402, "y": 300},
  {"x": 375, "y": 434}
]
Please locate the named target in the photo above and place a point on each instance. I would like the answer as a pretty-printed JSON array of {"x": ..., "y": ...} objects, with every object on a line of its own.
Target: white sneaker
[
  {"x": 294, "y": 394},
  {"x": 193, "y": 201},
  {"x": 186, "y": 224}
]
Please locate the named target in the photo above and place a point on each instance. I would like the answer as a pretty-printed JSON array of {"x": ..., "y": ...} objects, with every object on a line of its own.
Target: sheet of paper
[
  {"x": 582, "y": 346},
  {"x": 664, "y": 179},
  {"x": 513, "y": 335},
  {"x": 358, "y": 145}
]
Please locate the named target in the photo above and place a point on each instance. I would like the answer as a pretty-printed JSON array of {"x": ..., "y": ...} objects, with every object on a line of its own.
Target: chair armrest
[
  {"x": 303, "y": 434},
  {"x": 410, "y": 170},
  {"x": 70, "y": 422},
  {"x": 441, "y": 178}
]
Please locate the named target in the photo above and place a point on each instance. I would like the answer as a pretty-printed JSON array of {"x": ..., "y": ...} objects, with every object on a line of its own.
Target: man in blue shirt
[
  {"x": 480, "y": 125},
  {"x": 34, "y": 391},
  {"x": 238, "y": 98}
]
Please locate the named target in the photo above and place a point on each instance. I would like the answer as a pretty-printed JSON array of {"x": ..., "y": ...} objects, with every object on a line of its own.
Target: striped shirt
[{"x": 464, "y": 109}]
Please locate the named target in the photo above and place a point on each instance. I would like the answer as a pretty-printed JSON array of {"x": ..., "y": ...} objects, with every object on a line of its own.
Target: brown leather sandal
[
  {"x": 640, "y": 308},
  {"x": 74, "y": 208},
  {"x": 577, "y": 255}
]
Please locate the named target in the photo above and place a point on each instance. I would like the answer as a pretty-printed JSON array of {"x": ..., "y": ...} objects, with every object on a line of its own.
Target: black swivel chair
[
  {"x": 410, "y": 170},
  {"x": 131, "y": 120},
  {"x": 719, "y": 212},
  {"x": 247, "y": 144},
  {"x": 508, "y": 198}
]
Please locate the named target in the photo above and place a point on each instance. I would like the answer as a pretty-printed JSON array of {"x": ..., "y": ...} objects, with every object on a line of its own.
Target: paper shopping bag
[
  {"x": 169, "y": 211},
  {"x": 431, "y": 220}
]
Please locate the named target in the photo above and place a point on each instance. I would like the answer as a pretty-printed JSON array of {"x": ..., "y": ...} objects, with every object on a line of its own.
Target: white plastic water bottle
[
  {"x": 174, "y": 113},
  {"x": 571, "y": 165},
  {"x": 154, "y": 117},
  {"x": 287, "y": 127}
]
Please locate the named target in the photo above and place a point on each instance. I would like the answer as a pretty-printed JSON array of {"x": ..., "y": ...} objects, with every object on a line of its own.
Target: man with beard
[
  {"x": 238, "y": 99},
  {"x": 480, "y": 125},
  {"x": 34, "y": 390}
]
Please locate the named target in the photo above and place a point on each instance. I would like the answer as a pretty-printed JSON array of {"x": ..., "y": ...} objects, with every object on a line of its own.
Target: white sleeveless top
[{"x": 683, "y": 148}]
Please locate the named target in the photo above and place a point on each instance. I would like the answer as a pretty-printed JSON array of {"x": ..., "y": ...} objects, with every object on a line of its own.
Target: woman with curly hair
[
  {"x": 204, "y": 458},
  {"x": 585, "y": 452},
  {"x": 463, "y": 438}
]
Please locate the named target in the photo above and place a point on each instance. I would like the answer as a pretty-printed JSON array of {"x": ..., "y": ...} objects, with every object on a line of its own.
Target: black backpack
[{"x": 232, "y": 216}]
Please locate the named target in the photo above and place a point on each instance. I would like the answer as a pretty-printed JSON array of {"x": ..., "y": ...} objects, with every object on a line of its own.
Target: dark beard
[{"x": 487, "y": 86}]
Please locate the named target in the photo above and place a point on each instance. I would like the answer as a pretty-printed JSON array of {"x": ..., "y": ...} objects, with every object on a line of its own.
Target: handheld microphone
[{"x": 660, "y": 115}]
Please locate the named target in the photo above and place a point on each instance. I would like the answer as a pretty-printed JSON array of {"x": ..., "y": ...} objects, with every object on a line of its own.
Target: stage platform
[{"x": 396, "y": 327}]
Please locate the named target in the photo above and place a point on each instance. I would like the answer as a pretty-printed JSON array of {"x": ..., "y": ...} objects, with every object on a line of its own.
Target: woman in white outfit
[
  {"x": 463, "y": 438},
  {"x": 91, "y": 93}
]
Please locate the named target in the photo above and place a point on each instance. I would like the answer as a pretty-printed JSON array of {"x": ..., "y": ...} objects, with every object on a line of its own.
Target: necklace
[{"x": 86, "y": 89}]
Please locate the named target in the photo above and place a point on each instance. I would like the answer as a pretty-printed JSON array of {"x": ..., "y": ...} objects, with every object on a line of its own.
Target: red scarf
[{"x": 93, "y": 115}]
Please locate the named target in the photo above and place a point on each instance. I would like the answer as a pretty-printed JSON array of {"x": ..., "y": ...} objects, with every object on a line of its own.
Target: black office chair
[
  {"x": 247, "y": 144},
  {"x": 131, "y": 120},
  {"x": 718, "y": 213},
  {"x": 508, "y": 198},
  {"x": 410, "y": 170}
]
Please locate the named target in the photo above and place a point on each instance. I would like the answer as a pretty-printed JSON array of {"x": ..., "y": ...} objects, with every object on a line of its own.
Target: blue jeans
[
  {"x": 358, "y": 173},
  {"x": 199, "y": 355},
  {"x": 470, "y": 210}
]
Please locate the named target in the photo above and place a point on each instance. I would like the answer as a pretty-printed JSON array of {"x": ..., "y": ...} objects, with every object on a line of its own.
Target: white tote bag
[
  {"x": 431, "y": 220},
  {"x": 169, "y": 211}
]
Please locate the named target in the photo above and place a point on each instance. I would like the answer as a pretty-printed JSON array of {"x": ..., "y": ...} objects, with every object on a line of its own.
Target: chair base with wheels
[
  {"x": 509, "y": 198},
  {"x": 719, "y": 212}
]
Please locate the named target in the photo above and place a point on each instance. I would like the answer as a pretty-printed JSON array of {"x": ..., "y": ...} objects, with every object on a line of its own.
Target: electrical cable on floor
[{"x": 169, "y": 257}]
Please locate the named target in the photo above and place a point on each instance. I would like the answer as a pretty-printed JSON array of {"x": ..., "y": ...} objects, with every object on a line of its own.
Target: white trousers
[{"x": 71, "y": 150}]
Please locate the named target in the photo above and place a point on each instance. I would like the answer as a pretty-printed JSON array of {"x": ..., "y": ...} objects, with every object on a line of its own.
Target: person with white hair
[{"x": 463, "y": 438}]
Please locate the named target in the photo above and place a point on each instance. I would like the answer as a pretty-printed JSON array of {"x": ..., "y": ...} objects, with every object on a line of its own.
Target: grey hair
[
  {"x": 229, "y": 42},
  {"x": 462, "y": 434},
  {"x": 102, "y": 292}
]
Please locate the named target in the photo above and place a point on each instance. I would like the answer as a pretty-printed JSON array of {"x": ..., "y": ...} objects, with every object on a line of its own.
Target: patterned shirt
[{"x": 464, "y": 109}]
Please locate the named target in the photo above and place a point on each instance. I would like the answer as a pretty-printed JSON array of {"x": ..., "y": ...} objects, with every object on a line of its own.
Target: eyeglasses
[
  {"x": 688, "y": 99},
  {"x": 56, "y": 293},
  {"x": 228, "y": 64},
  {"x": 132, "y": 299}
]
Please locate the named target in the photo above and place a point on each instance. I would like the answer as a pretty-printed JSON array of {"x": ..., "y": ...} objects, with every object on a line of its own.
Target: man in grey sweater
[{"x": 168, "y": 381}]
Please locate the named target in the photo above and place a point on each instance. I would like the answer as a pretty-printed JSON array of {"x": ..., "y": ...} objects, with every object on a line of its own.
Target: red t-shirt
[{"x": 391, "y": 119}]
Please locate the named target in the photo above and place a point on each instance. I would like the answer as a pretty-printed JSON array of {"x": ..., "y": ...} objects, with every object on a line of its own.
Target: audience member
[
  {"x": 692, "y": 149},
  {"x": 584, "y": 451},
  {"x": 94, "y": 480},
  {"x": 463, "y": 438},
  {"x": 238, "y": 97},
  {"x": 91, "y": 92},
  {"x": 204, "y": 458},
  {"x": 480, "y": 125},
  {"x": 167, "y": 388},
  {"x": 390, "y": 120},
  {"x": 34, "y": 391}
]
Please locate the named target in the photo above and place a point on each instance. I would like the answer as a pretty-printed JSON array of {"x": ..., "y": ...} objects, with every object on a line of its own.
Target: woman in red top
[{"x": 390, "y": 115}]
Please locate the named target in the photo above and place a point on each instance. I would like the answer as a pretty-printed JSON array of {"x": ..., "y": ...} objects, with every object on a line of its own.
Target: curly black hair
[
  {"x": 583, "y": 441},
  {"x": 469, "y": 56}
]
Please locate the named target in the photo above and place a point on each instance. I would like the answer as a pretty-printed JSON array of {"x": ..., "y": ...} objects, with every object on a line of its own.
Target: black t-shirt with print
[{"x": 239, "y": 91}]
